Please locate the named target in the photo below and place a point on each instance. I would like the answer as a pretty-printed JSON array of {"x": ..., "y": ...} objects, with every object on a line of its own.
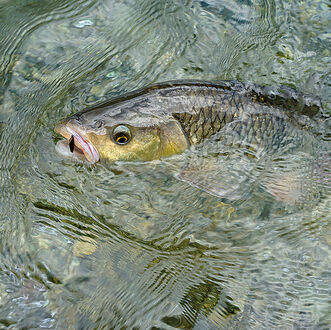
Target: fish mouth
[{"x": 76, "y": 146}]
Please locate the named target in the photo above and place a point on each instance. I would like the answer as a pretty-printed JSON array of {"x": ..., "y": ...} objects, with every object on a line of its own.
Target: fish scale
[
  {"x": 204, "y": 121},
  {"x": 262, "y": 123}
]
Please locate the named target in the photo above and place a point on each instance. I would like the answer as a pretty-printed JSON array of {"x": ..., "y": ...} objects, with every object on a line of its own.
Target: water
[{"x": 131, "y": 245}]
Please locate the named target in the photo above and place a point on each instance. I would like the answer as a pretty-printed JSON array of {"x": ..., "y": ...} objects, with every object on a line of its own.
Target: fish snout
[{"x": 76, "y": 139}]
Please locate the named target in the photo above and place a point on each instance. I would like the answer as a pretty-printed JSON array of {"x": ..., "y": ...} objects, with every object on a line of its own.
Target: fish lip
[{"x": 90, "y": 152}]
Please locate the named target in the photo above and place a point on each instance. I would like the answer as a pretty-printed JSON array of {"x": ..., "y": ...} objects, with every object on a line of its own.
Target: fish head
[{"x": 121, "y": 132}]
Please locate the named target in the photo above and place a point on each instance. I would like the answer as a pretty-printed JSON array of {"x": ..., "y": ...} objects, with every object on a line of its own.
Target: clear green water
[{"x": 131, "y": 246}]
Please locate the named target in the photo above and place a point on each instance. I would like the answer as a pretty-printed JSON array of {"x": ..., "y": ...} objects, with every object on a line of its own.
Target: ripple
[
  {"x": 131, "y": 245},
  {"x": 24, "y": 25}
]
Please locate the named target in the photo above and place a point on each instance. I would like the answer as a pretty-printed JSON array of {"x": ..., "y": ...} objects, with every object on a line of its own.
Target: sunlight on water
[{"x": 133, "y": 245}]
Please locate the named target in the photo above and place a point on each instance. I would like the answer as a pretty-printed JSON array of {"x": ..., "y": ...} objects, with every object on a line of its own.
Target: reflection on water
[{"x": 133, "y": 245}]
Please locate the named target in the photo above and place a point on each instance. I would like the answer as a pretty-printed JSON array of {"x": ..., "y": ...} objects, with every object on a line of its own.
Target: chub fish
[{"x": 167, "y": 118}]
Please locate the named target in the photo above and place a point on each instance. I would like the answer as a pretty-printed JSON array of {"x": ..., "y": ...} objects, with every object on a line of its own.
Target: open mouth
[{"x": 76, "y": 146}]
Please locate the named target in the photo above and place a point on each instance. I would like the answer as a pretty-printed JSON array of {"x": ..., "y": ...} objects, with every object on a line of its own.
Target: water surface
[{"x": 130, "y": 245}]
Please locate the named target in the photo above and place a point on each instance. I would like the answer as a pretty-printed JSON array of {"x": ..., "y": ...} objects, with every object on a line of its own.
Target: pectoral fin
[{"x": 224, "y": 175}]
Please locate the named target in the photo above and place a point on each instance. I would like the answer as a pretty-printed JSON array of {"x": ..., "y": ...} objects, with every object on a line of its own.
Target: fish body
[
  {"x": 244, "y": 136},
  {"x": 167, "y": 118}
]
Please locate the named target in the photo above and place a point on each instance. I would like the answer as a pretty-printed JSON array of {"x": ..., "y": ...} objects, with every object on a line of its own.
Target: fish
[
  {"x": 233, "y": 129},
  {"x": 167, "y": 118}
]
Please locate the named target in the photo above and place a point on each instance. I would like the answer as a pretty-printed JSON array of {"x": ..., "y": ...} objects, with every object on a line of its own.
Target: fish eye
[{"x": 121, "y": 134}]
